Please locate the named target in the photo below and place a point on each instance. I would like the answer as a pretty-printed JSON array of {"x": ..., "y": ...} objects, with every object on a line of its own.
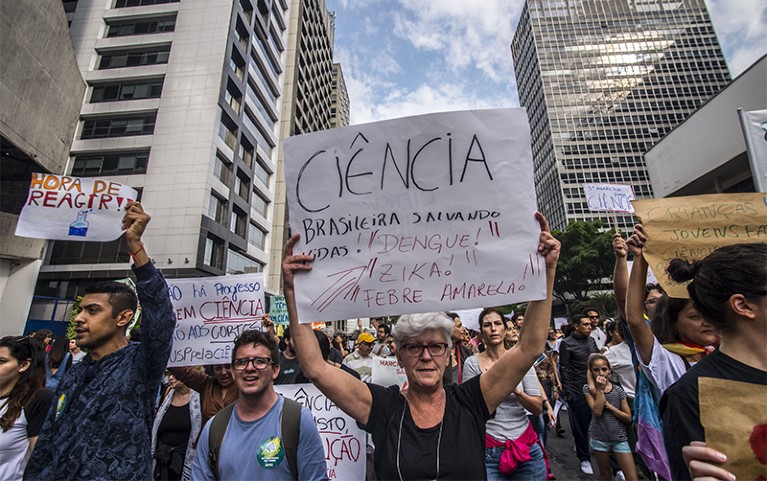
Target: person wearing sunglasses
[
  {"x": 428, "y": 430},
  {"x": 252, "y": 445}
]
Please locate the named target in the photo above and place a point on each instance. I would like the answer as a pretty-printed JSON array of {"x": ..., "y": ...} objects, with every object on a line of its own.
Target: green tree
[
  {"x": 72, "y": 324},
  {"x": 585, "y": 261}
]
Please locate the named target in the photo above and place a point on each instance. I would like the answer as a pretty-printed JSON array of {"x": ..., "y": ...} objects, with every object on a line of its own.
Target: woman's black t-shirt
[{"x": 461, "y": 441}]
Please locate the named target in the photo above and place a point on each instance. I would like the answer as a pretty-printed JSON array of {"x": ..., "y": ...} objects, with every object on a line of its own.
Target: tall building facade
[
  {"x": 308, "y": 98},
  {"x": 602, "y": 81},
  {"x": 40, "y": 94},
  {"x": 340, "y": 105},
  {"x": 183, "y": 103}
]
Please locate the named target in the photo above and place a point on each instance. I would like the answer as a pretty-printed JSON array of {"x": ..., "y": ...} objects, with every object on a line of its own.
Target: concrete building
[
  {"x": 706, "y": 154},
  {"x": 183, "y": 101},
  {"x": 307, "y": 102},
  {"x": 40, "y": 92},
  {"x": 340, "y": 105},
  {"x": 604, "y": 80}
]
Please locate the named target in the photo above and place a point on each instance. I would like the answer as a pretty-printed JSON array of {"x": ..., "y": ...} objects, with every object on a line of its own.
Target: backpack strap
[
  {"x": 216, "y": 437},
  {"x": 290, "y": 424}
]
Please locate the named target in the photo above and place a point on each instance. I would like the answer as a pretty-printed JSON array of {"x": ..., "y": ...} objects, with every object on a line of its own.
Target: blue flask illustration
[{"x": 79, "y": 227}]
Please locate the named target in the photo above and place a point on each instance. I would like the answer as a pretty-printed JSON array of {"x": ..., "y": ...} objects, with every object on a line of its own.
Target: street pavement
[{"x": 562, "y": 460}]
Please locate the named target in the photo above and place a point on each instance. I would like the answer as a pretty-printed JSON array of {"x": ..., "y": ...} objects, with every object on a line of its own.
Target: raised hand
[
  {"x": 548, "y": 246},
  {"x": 637, "y": 241},
  {"x": 619, "y": 245},
  {"x": 292, "y": 263}
]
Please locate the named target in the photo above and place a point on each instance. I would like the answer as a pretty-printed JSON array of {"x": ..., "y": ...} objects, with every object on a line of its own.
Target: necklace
[{"x": 399, "y": 438}]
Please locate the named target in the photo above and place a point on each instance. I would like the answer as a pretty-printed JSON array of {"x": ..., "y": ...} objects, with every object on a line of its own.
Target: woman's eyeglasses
[{"x": 414, "y": 350}]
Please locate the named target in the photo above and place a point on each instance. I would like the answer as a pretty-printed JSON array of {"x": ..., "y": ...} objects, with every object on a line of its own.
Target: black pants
[{"x": 580, "y": 418}]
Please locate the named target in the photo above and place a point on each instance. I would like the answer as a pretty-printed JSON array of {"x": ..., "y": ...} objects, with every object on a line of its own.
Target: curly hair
[
  {"x": 31, "y": 380},
  {"x": 253, "y": 336}
]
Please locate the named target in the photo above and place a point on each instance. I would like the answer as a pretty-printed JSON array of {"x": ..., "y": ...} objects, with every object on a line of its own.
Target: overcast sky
[{"x": 410, "y": 57}]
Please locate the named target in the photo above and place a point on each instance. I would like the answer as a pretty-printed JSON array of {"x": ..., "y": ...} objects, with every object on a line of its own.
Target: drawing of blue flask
[{"x": 79, "y": 227}]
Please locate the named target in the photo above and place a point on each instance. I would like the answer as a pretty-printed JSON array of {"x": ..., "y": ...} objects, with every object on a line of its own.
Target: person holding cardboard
[
  {"x": 729, "y": 288},
  {"x": 414, "y": 431}
]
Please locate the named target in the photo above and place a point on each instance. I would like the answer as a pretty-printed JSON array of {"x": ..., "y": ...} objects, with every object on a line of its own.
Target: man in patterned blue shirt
[{"x": 100, "y": 425}]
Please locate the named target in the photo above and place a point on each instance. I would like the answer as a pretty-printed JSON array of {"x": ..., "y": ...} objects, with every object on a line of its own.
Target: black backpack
[{"x": 290, "y": 424}]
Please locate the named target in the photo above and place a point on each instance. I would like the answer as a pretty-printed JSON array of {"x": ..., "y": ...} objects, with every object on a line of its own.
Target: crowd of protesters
[{"x": 478, "y": 404}]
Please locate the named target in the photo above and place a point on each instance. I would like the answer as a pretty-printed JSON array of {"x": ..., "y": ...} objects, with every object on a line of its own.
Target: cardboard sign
[
  {"x": 343, "y": 441},
  {"x": 733, "y": 416},
  {"x": 278, "y": 311},
  {"x": 71, "y": 208},
  {"x": 210, "y": 312},
  {"x": 692, "y": 227},
  {"x": 609, "y": 197},
  {"x": 427, "y": 213},
  {"x": 388, "y": 372}
]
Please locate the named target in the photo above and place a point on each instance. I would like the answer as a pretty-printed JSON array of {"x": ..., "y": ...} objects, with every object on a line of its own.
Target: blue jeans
[{"x": 533, "y": 470}]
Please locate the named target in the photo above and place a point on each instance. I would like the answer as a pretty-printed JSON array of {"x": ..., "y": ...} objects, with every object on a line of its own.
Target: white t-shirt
[
  {"x": 620, "y": 361},
  {"x": 14, "y": 443},
  {"x": 599, "y": 337},
  {"x": 664, "y": 369}
]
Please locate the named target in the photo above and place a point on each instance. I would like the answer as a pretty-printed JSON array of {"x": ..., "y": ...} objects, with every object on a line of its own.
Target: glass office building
[{"x": 602, "y": 81}]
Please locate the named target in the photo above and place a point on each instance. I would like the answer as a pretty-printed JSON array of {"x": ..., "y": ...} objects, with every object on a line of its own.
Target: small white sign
[
  {"x": 609, "y": 197},
  {"x": 388, "y": 372},
  {"x": 210, "y": 312},
  {"x": 72, "y": 208}
]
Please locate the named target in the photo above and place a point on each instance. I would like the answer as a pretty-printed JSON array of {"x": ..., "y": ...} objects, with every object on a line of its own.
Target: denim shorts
[{"x": 609, "y": 446}]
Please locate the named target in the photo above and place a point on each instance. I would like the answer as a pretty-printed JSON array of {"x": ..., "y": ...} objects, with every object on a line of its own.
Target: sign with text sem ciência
[
  {"x": 210, "y": 312},
  {"x": 426, "y": 213}
]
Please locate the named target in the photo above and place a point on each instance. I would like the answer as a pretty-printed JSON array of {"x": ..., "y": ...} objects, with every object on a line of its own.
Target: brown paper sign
[
  {"x": 692, "y": 227},
  {"x": 734, "y": 416}
]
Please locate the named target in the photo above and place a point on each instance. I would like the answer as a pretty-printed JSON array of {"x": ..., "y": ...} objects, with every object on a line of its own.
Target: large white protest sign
[
  {"x": 210, "y": 312},
  {"x": 419, "y": 214},
  {"x": 343, "y": 440},
  {"x": 609, "y": 197},
  {"x": 388, "y": 372},
  {"x": 71, "y": 208}
]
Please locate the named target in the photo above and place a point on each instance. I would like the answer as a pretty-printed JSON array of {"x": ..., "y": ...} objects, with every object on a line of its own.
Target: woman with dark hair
[
  {"x": 678, "y": 336},
  {"x": 24, "y": 402},
  {"x": 57, "y": 361},
  {"x": 729, "y": 289},
  {"x": 512, "y": 450}
]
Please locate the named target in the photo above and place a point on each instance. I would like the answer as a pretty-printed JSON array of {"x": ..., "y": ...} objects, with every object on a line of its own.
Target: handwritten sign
[
  {"x": 343, "y": 441},
  {"x": 388, "y": 372},
  {"x": 469, "y": 318},
  {"x": 609, "y": 197},
  {"x": 418, "y": 214},
  {"x": 692, "y": 227},
  {"x": 278, "y": 310},
  {"x": 71, "y": 208},
  {"x": 210, "y": 312}
]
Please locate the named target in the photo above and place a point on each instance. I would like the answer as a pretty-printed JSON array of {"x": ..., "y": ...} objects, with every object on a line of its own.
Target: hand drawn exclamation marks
[
  {"x": 494, "y": 231},
  {"x": 372, "y": 238},
  {"x": 359, "y": 239},
  {"x": 476, "y": 240},
  {"x": 448, "y": 271}
]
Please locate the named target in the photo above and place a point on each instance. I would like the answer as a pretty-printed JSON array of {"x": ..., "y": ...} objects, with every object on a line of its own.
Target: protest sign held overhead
[
  {"x": 692, "y": 227},
  {"x": 609, "y": 197},
  {"x": 343, "y": 441},
  {"x": 210, "y": 312},
  {"x": 278, "y": 310},
  {"x": 71, "y": 208},
  {"x": 418, "y": 214}
]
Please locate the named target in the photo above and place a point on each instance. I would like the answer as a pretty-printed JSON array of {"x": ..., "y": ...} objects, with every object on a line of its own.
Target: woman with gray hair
[{"x": 415, "y": 430}]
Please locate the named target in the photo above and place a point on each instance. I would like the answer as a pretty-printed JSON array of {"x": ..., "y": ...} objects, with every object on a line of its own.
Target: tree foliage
[{"x": 585, "y": 261}]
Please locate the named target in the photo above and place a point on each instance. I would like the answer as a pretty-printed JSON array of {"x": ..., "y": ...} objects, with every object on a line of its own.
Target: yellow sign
[{"x": 692, "y": 227}]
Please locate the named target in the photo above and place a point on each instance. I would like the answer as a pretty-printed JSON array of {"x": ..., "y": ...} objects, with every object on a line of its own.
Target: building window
[
  {"x": 217, "y": 209},
  {"x": 214, "y": 253},
  {"x": 70, "y": 6},
  {"x": 145, "y": 89},
  {"x": 246, "y": 152},
  {"x": 239, "y": 222},
  {"x": 117, "y": 163},
  {"x": 123, "y": 126},
  {"x": 242, "y": 184},
  {"x": 237, "y": 64},
  {"x": 256, "y": 237},
  {"x": 141, "y": 27},
  {"x": 262, "y": 174},
  {"x": 222, "y": 170},
  {"x": 134, "y": 58},
  {"x": 227, "y": 130},
  {"x": 141, "y": 3},
  {"x": 259, "y": 204},
  {"x": 241, "y": 264},
  {"x": 233, "y": 97}
]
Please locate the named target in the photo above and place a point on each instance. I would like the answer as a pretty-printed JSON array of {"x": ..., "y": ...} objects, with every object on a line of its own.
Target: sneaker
[
  {"x": 586, "y": 468},
  {"x": 619, "y": 476}
]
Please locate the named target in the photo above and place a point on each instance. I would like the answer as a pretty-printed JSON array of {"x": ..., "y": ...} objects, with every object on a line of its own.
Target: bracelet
[{"x": 133, "y": 254}]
